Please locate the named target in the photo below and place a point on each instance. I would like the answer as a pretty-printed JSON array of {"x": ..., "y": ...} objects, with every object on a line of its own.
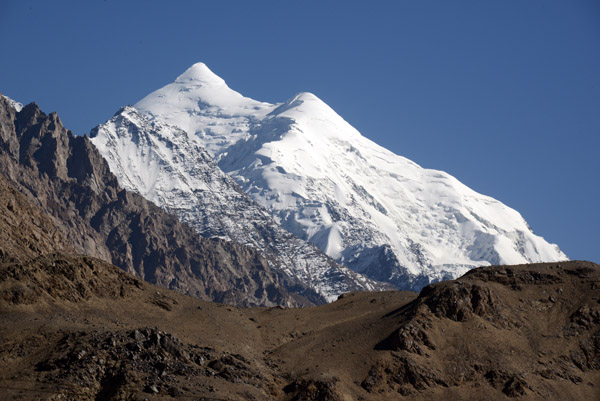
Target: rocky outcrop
[
  {"x": 108, "y": 364},
  {"x": 520, "y": 329},
  {"x": 312, "y": 390},
  {"x": 68, "y": 180}
]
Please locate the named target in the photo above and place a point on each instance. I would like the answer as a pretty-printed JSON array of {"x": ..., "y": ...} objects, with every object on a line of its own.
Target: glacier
[{"x": 375, "y": 212}]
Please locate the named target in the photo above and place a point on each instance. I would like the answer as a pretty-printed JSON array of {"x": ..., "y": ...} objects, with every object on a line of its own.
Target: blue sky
[{"x": 504, "y": 95}]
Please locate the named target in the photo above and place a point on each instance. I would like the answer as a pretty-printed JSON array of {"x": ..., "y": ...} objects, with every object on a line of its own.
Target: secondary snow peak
[
  {"x": 311, "y": 114},
  {"x": 307, "y": 97},
  {"x": 297, "y": 101}
]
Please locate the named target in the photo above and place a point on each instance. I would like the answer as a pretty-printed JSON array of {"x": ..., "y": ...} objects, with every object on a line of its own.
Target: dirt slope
[{"x": 77, "y": 328}]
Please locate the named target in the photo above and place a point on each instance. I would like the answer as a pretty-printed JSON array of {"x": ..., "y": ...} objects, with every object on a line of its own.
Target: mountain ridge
[{"x": 66, "y": 178}]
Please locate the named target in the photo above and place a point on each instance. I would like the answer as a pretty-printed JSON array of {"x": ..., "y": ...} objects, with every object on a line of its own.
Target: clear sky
[{"x": 504, "y": 95}]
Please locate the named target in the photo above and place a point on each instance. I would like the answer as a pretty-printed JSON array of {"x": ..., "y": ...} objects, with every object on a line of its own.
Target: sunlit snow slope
[
  {"x": 376, "y": 212},
  {"x": 169, "y": 167}
]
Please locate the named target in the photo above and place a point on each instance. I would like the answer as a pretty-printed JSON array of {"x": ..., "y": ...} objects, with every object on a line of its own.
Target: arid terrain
[{"x": 74, "y": 327}]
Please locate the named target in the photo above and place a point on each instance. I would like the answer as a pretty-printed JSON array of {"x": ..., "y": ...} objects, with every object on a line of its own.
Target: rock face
[
  {"x": 25, "y": 230},
  {"x": 75, "y": 327},
  {"x": 85, "y": 210}
]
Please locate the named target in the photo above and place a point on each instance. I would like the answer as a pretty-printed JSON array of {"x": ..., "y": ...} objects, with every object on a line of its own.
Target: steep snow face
[
  {"x": 169, "y": 166},
  {"x": 374, "y": 211}
]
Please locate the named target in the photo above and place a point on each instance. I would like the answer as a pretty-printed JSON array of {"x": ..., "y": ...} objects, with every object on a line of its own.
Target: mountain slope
[
  {"x": 70, "y": 184},
  {"x": 77, "y": 328},
  {"x": 25, "y": 230},
  {"x": 371, "y": 210},
  {"x": 170, "y": 168}
]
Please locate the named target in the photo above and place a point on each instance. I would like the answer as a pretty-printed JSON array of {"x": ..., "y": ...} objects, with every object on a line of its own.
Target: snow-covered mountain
[
  {"x": 374, "y": 211},
  {"x": 169, "y": 167}
]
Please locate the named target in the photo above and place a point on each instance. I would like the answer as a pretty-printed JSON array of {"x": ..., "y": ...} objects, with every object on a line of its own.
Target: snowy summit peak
[
  {"x": 197, "y": 101},
  {"x": 200, "y": 73}
]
